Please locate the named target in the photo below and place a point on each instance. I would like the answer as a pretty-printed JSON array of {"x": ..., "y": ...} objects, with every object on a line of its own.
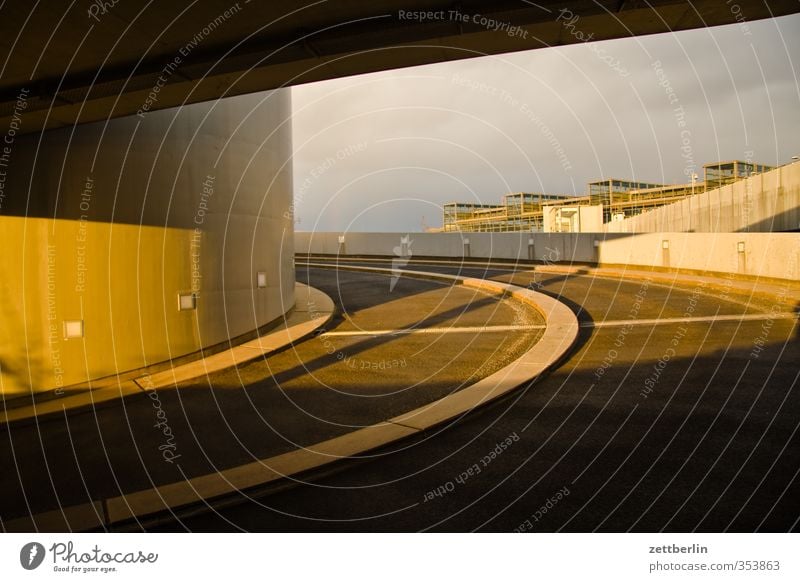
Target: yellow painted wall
[
  {"x": 108, "y": 223},
  {"x": 126, "y": 297}
]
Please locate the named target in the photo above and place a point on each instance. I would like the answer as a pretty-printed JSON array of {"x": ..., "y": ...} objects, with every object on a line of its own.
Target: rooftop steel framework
[{"x": 523, "y": 211}]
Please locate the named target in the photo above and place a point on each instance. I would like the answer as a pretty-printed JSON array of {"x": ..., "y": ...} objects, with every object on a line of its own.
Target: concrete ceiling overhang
[{"x": 89, "y": 60}]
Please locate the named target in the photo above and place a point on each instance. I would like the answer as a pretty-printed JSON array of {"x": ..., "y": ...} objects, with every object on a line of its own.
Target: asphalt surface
[
  {"x": 323, "y": 387},
  {"x": 680, "y": 426}
]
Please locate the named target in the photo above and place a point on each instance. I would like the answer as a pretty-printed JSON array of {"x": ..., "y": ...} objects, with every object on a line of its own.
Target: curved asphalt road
[
  {"x": 321, "y": 388},
  {"x": 653, "y": 424}
]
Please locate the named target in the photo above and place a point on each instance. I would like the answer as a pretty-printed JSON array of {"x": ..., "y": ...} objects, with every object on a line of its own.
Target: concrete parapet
[{"x": 764, "y": 255}]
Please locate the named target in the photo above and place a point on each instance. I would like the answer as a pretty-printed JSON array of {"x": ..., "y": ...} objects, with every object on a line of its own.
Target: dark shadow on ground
[
  {"x": 712, "y": 447},
  {"x": 215, "y": 424}
]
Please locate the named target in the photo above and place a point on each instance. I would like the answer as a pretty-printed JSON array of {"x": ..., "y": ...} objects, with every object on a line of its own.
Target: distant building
[
  {"x": 616, "y": 199},
  {"x": 573, "y": 218},
  {"x": 611, "y": 192},
  {"x": 722, "y": 173},
  {"x": 519, "y": 211}
]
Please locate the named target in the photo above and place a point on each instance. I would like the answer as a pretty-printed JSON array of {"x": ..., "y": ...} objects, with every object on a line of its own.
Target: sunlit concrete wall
[
  {"x": 567, "y": 246},
  {"x": 774, "y": 255},
  {"x": 768, "y": 202},
  {"x": 109, "y": 223}
]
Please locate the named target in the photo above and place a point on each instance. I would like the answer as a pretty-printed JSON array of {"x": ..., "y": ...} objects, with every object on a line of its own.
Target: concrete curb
[{"x": 561, "y": 332}]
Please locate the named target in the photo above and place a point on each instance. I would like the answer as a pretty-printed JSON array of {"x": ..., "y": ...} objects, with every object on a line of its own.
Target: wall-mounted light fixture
[
  {"x": 664, "y": 244},
  {"x": 261, "y": 279},
  {"x": 596, "y": 243},
  {"x": 740, "y": 246},
  {"x": 187, "y": 301},
  {"x": 73, "y": 328}
]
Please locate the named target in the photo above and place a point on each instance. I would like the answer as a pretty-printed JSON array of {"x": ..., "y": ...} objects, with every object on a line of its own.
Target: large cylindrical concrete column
[{"x": 135, "y": 241}]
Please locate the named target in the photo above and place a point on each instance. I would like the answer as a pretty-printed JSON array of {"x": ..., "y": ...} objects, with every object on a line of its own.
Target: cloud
[{"x": 403, "y": 142}]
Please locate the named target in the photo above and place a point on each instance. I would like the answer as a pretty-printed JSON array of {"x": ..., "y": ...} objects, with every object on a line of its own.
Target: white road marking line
[
  {"x": 700, "y": 319},
  {"x": 586, "y": 324},
  {"x": 423, "y": 330}
]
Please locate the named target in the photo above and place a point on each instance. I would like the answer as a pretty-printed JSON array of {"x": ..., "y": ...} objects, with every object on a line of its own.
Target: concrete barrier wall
[
  {"x": 768, "y": 202},
  {"x": 514, "y": 246},
  {"x": 109, "y": 223},
  {"x": 773, "y": 255}
]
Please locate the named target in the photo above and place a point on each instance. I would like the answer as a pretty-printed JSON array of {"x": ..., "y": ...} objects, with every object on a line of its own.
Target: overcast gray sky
[{"x": 382, "y": 152}]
